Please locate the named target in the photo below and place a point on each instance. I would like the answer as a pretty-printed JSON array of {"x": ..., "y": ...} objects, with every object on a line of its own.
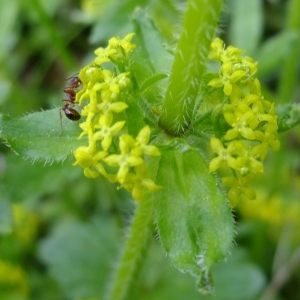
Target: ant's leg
[{"x": 72, "y": 76}]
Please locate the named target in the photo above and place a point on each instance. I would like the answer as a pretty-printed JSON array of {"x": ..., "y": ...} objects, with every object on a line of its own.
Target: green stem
[
  {"x": 199, "y": 26},
  {"x": 138, "y": 235},
  {"x": 289, "y": 76}
]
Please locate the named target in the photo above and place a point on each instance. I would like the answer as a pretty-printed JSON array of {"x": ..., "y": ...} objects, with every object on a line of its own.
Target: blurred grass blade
[
  {"x": 270, "y": 60},
  {"x": 247, "y": 23}
]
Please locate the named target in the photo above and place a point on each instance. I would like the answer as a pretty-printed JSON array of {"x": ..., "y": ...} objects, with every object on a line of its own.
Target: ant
[{"x": 69, "y": 102}]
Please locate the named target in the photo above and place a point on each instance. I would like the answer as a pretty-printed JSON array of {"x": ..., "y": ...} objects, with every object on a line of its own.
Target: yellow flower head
[
  {"x": 110, "y": 151},
  {"x": 251, "y": 120},
  {"x": 116, "y": 48}
]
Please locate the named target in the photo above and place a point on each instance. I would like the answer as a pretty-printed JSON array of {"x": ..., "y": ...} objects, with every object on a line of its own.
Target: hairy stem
[
  {"x": 136, "y": 241},
  {"x": 199, "y": 26}
]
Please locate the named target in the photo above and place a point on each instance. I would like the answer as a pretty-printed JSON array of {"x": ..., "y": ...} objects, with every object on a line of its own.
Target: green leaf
[
  {"x": 193, "y": 217},
  {"x": 270, "y": 60},
  {"x": 150, "y": 64},
  {"x": 288, "y": 116},
  {"x": 134, "y": 113},
  {"x": 238, "y": 280},
  {"x": 151, "y": 80},
  {"x": 38, "y": 136},
  {"x": 80, "y": 255}
]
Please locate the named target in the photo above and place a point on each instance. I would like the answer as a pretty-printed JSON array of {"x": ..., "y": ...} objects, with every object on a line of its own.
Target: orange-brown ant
[{"x": 69, "y": 102}]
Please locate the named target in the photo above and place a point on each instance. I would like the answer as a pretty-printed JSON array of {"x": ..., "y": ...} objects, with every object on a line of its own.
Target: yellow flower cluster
[
  {"x": 110, "y": 151},
  {"x": 251, "y": 118},
  {"x": 275, "y": 211}
]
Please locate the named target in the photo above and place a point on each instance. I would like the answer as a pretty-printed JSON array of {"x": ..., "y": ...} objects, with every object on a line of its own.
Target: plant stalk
[
  {"x": 138, "y": 235},
  {"x": 189, "y": 65}
]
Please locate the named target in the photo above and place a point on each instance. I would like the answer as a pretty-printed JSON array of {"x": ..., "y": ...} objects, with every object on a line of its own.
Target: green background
[{"x": 66, "y": 240}]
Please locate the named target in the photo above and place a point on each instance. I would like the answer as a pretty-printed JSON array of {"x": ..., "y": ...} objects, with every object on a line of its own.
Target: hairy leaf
[
  {"x": 194, "y": 220},
  {"x": 39, "y": 136}
]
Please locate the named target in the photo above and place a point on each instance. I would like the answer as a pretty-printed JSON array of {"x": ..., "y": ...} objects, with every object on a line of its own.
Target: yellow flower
[
  {"x": 137, "y": 181},
  {"x": 217, "y": 49},
  {"x": 270, "y": 137},
  {"x": 87, "y": 125},
  {"x": 101, "y": 96},
  {"x": 103, "y": 55},
  {"x": 87, "y": 160},
  {"x": 219, "y": 52},
  {"x": 108, "y": 108},
  {"x": 141, "y": 145},
  {"x": 249, "y": 65},
  {"x": 126, "y": 159},
  {"x": 227, "y": 155},
  {"x": 83, "y": 157},
  {"x": 243, "y": 121},
  {"x": 227, "y": 78},
  {"x": 107, "y": 131},
  {"x": 253, "y": 160},
  {"x": 123, "y": 44},
  {"x": 252, "y": 118},
  {"x": 90, "y": 74},
  {"x": 238, "y": 187}
]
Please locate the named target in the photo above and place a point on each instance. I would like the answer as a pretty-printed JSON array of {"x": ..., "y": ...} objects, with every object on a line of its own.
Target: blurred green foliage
[{"x": 61, "y": 233}]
